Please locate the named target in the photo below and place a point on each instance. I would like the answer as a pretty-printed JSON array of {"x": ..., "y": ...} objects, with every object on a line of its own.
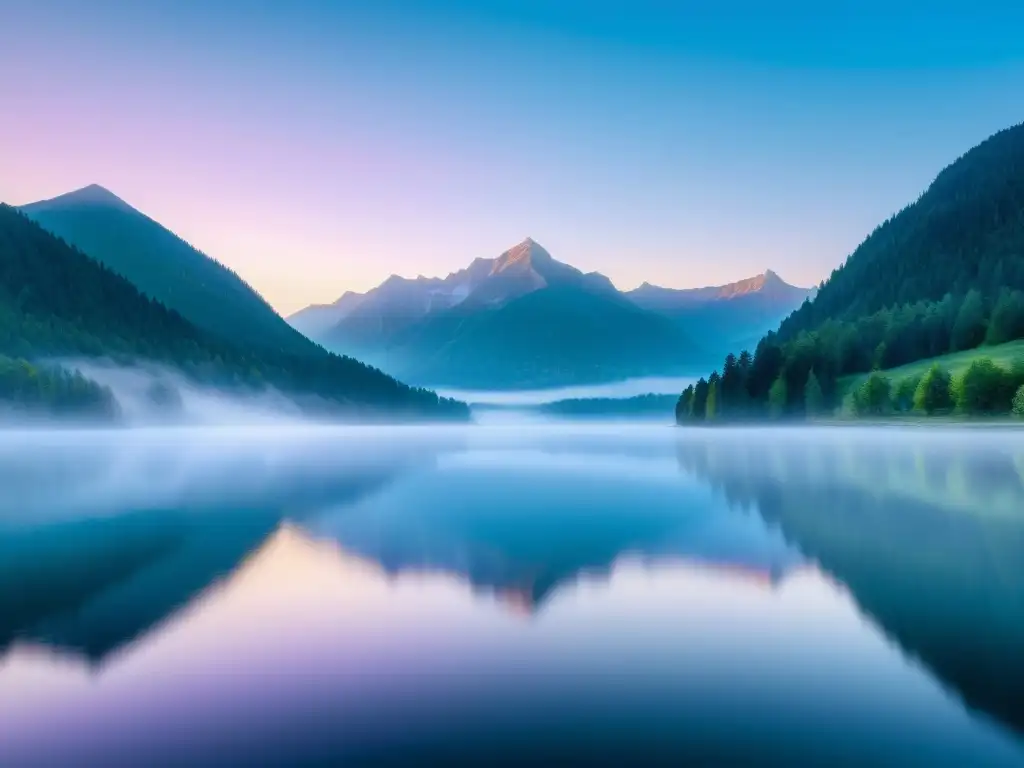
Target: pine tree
[
  {"x": 1007, "y": 321},
  {"x": 969, "y": 328},
  {"x": 711, "y": 407},
  {"x": 700, "y": 400},
  {"x": 778, "y": 396},
  {"x": 814, "y": 398},
  {"x": 684, "y": 406}
]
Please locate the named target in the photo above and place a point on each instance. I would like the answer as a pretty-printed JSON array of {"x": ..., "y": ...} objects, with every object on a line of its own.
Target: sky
[{"x": 318, "y": 147}]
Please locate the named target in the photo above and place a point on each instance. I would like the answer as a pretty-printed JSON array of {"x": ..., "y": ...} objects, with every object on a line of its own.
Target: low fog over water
[
  {"x": 622, "y": 593},
  {"x": 615, "y": 390}
]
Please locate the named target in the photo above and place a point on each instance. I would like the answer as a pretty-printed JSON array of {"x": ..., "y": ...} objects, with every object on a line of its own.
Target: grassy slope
[{"x": 955, "y": 363}]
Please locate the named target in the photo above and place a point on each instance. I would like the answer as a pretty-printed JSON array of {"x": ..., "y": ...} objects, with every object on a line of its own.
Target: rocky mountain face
[
  {"x": 524, "y": 318},
  {"x": 397, "y": 303},
  {"x": 767, "y": 289}
]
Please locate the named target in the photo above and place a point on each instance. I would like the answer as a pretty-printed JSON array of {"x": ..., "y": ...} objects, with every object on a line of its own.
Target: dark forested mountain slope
[
  {"x": 166, "y": 268},
  {"x": 965, "y": 232},
  {"x": 56, "y": 301},
  {"x": 945, "y": 274}
]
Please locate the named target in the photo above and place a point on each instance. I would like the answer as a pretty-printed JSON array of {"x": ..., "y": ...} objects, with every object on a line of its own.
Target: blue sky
[{"x": 317, "y": 147}]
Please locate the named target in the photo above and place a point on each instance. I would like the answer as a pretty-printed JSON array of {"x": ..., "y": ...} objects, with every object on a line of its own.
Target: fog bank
[
  {"x": 670, "y": 385},
  {"x": 149, "y": 394}
]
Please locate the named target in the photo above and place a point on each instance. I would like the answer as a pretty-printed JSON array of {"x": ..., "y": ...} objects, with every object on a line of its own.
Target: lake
[{"x": 504, "y": 594}]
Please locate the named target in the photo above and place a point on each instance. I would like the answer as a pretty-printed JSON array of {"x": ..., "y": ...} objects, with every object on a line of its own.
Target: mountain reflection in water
[{"x": 305, "y": 596}]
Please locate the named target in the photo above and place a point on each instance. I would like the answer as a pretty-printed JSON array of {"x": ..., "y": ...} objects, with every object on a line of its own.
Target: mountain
[
  {"x": 767, "y": 287},
  {"x": 56, "y": 301},
  {"x": 945, "y": 274},
  {"x": 521, "y": 319},
  {"x": 364, "y": 322},
  {"x": 166, "y": 268},
  {"x": 315, "y": 320},
  {"x": 738, "y": 312}
]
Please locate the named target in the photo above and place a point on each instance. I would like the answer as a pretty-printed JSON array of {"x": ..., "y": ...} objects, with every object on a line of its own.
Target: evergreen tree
[
  {"x": 969, "y": 328},
  {"x": 684, "y": 406},
  {"x": 732, "y": 387},
  {"x": 814, "y": 398},
  {"x": 778, "y": 398},
  {"x": 700, "y": 400},
  {"x": 711, "y": 406},
  {"x": 1007, "y": 321}
]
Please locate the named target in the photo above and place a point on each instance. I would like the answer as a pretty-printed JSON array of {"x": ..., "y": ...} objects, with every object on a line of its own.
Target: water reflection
[
  {"x": 729, "y": 596},
  {"x": 535, "y": 536},
  {"x": 928, "y": 536},
  {"x": 102, "y": 541}
]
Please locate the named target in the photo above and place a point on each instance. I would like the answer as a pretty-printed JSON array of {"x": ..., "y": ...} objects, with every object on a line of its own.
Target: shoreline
[{"x": 924, "y": 422}]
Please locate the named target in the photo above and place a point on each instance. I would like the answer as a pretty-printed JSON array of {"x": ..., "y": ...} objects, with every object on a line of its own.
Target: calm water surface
[{"x": 510, "y": 595}]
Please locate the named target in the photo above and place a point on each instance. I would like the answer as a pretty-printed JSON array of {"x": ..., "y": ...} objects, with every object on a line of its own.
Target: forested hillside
[
  {"x": 56, "y": 301},
  {"x": 944, "y": 274},
  {"x": 164, "y": 267}
]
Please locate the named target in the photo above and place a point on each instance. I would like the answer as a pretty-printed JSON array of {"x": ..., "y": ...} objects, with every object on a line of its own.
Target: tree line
[
  {"x": 985, "y": 388},
  {"x": 802, "y": 377},
  {"x": 29, "y": 389}
]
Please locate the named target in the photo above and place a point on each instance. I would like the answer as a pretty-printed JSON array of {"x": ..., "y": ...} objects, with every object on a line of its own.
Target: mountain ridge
[
  {"x": 767, "y": 280},
  {"x": 165, "y": 267},
  {"x": 91, "y": 194}
]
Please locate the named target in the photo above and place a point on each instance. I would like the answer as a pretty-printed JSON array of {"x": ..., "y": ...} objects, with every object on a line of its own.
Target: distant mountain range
[
  {"x": 525, "y": 319},
  {"x": 737, "y": 314}
]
